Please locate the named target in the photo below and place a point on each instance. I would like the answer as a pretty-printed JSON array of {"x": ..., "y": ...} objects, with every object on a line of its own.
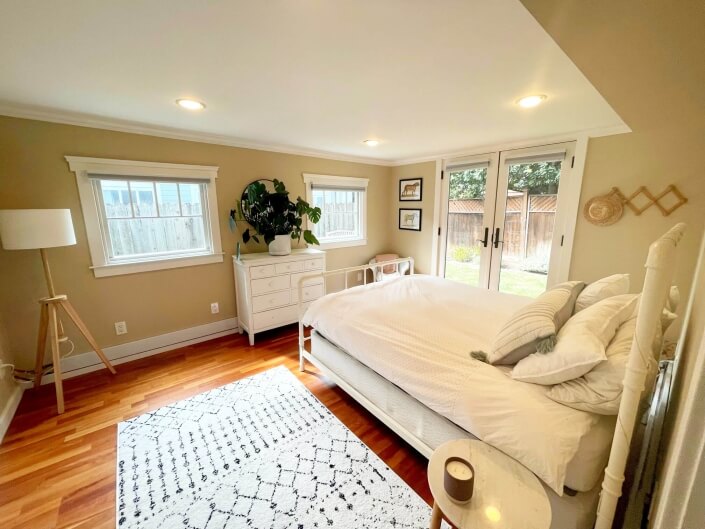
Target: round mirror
[{"x": 246, "y": 205}]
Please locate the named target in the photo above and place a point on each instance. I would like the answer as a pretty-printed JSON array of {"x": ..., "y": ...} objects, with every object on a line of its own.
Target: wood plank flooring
[{"x": 59, "y": 471}]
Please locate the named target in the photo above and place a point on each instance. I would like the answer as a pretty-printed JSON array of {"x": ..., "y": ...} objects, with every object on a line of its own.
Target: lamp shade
[{"x": 29, "y": 229}]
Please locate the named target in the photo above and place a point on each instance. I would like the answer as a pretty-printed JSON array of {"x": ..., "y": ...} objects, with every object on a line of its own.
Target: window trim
[
  {"x": 83, "y": 167},
  {"x": 348, "y": 182}
]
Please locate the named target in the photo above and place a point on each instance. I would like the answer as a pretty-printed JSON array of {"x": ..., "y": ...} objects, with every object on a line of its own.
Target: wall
[
  {"x": 413, "y": 243},
  {"x": 34, "y": 174}
]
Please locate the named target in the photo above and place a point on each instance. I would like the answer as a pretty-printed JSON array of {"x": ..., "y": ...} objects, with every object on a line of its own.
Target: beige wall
[
  {"x": 413, "y": 243},
  {"x": 34, "y": 174}
]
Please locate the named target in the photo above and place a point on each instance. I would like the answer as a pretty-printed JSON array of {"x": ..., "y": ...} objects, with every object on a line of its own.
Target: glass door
[
  {"x": 504, "y": 216},
  {"x": 469, "y": 213},
  {"x": 525, "y": 243}
]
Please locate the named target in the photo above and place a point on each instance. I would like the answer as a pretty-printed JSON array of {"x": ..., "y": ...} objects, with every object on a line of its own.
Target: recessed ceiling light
[
  {"x": 190, "y": 104},
  {"x": 371, "y": 143},
  {"x": 531, "y": 101}
]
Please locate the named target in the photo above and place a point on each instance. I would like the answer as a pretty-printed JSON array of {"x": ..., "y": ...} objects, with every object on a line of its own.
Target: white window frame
[
  {"x": 87, "y": 168},
  {"x": 346, "y": 182}
]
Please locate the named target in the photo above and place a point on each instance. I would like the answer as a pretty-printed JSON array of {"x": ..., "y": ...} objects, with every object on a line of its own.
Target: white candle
[{"x": 459, "y": 470}]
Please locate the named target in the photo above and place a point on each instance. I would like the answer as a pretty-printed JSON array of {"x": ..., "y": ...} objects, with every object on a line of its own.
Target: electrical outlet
[
  {"x": 215, "y": 308},
  {"x": 120, "y": 327},
  {"x": 359, "y": 277}
]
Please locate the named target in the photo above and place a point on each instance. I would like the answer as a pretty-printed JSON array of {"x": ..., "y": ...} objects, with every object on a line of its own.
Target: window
[
  {"x": 143, "y": 216},
  {"x": 343, "y": 203}
]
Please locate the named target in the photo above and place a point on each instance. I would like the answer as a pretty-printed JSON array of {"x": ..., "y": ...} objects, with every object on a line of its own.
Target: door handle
[
  {"x": 495, "y": 239},
  {"x": 484, "y": 241}
]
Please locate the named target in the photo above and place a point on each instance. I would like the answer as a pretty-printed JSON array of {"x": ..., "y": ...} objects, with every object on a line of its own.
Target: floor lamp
[{"x": 32, "y": 229}]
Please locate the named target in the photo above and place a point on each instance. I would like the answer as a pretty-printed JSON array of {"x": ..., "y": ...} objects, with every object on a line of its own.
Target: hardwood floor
[{"x": 59, "y": 471}]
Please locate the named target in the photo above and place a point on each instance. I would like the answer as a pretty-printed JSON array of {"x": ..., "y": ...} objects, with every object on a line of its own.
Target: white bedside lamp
[{"x": 39, "y": 229}]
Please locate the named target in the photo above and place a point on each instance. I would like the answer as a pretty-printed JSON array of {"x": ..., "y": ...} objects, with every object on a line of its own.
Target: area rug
[{"x": 261, "y": 453}]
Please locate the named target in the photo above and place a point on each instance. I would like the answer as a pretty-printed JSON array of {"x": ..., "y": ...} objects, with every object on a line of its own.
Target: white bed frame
[{"x": 659, "y": 265}]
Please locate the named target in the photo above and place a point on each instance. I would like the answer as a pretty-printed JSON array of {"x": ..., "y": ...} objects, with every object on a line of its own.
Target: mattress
[
  {"x": 568, "y": 511},
  {"x": 417, "y": 332},
  {"x": 584, "y": 470}
]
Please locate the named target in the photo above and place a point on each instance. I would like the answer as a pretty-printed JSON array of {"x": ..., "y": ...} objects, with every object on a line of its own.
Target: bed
[{"x": 403, "y": 349}]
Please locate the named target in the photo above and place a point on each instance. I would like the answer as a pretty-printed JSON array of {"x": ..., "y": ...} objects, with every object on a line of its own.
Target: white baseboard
[
  {"x": 10, "y": 408},
  {"x": 79, "y": 364}
]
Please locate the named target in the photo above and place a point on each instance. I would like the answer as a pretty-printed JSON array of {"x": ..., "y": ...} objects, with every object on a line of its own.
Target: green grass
[{"x": 511, "y": 281}]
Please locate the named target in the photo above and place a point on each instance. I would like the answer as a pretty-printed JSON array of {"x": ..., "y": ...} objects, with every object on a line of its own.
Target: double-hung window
[
  {"x": 143, "y": 216},
  {"x": 343, "y": 203}
]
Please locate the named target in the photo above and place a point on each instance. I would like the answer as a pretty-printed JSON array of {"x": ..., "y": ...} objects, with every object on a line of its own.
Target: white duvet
[{"x": 418, "y": 332}]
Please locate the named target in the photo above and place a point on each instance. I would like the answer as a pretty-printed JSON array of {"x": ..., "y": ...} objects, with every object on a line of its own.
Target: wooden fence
[
  {"x": 528, "y": 226},
  {"x": 156, "y": 235}
]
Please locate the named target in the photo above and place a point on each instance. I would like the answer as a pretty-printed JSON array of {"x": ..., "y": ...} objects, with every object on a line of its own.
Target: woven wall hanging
[{"x": 604, "y": 210}]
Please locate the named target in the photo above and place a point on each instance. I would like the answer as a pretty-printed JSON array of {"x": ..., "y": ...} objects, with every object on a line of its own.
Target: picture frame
[
  {"x": 410, "y": 219},
  {"x": 411, "y": 190}
]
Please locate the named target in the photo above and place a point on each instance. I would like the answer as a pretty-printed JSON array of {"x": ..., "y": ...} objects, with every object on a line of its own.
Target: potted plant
[{"x": 274, "y": 217}]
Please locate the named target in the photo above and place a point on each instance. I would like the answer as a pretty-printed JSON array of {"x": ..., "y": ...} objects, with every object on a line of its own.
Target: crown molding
[
  {"x": 535, "y": 142},
  {"x": 97, "y": 122}
]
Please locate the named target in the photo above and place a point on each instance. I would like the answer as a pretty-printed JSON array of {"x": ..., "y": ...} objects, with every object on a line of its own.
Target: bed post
[{"x": 659, "y": 271}]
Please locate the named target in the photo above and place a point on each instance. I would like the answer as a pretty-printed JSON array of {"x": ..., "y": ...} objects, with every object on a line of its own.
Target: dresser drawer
[
  {"x": 257, "y": 272},
  {"x": 275, "y": 317},
  {"x": 309, "y": 293},
  {"x": 313, "y": 281},
  {"x": 270, "y": 284},
  {"x": 313, "y": 264},
  {"x": 270, "y": 301},
  {"x": 287, "y": 268}
]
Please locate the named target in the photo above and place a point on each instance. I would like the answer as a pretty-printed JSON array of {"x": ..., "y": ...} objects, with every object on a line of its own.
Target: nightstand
[{"x": 506, "y": 494}]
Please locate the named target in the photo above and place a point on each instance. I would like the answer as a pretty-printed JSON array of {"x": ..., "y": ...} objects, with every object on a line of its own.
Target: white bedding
[{"x": 418, "y": 332}]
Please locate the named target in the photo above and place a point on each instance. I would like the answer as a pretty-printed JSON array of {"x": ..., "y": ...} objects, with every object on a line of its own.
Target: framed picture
[
  {"x": 411, "y": 190},
  {"x": 410, "y": 219}
]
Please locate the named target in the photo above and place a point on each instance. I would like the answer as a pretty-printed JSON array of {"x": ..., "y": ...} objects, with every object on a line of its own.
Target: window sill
[
  {"x": 339, "y": 244},
  {"x": 157, "y": 264}
]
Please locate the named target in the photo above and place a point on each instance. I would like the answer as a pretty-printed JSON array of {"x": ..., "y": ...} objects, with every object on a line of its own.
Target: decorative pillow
[
  {"x": 537, "y": 321},
  {"x": 604, "y": 288},
  {"x": 576, "y": 352},
  {"x": 580, "y": 344},
  {"x": 387, "y": 269},
  {"x": 600, "y": 390}
]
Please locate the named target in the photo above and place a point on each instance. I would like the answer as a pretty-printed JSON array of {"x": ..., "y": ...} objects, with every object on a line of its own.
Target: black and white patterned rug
[{"x": 261, "y": 453}]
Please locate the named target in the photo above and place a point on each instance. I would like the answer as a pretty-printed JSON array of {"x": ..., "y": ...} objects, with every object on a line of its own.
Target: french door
[{"x": 504, "y": 217}]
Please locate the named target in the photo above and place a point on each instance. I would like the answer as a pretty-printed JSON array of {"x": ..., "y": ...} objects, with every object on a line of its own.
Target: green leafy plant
[{"x": 272, "y": 213}]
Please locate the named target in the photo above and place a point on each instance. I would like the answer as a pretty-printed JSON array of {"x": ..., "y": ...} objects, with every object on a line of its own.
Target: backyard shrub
[{"x": 464, "y": 254}]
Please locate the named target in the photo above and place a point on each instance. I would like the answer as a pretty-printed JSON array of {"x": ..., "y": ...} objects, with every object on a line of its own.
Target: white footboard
[{"x": 309, "y": 278}]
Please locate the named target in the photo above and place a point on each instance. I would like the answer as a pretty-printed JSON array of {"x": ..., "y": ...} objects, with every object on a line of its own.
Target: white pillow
[
  {"x": 540, "y": 319},
  {"x": 600, "y": 390},
  {"x": 604, "y": 288},
  {"x": 580, "y": 343},
  {"x": 576, "y": 352}
]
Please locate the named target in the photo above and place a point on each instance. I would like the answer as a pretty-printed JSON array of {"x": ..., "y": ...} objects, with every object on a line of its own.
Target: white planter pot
[{"x": 281, "y": 245}]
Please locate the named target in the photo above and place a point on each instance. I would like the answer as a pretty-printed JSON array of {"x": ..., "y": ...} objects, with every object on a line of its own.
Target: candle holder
[{"x": 458, "y": 479}]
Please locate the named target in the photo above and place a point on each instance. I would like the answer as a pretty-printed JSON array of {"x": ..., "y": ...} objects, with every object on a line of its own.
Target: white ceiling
[{"x": 423, "y": 76}]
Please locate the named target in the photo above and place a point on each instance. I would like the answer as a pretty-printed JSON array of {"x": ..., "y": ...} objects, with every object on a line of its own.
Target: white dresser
[{"x": 266, "y": 288}]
